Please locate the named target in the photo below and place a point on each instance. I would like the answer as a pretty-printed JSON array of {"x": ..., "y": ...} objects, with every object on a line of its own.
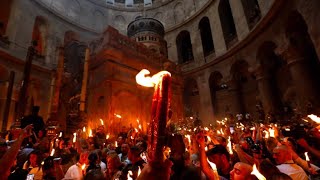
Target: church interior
[
  {"x": 228, "y": 59},
  {"x": 223, "y": 67}
]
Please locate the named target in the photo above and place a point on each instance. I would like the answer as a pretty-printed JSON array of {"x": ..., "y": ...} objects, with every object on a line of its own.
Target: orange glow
[
  {"x": 101, "y": 120},
  {"x": 143, "y": 80},
  {"x": 74, "y": 137},
  {"x": 229, "y": 145},
  {"x": 257, "y": 173},
  {"x": 314, "y": 118},
  {"x": 90, "y": 133},
  {"x": 83, "y": 166},
  {"x": 118, "y": 116},
  {"x": 52, "y": 152},
  {"x": 84, "y": 129},
  {"x": 139, "y": 171},
  {"x": 307, "y": 157}
]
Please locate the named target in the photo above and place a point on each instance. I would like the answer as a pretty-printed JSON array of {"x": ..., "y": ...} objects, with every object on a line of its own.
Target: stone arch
[
  {"x": 120, "y": 22},
  {"x": 178, "y": 13},
  {"x": 184, "y": 47},
  {"x": 206, "y": 36},
  {"x": 98, "y": 22},
  {"x": 252, "y": 12},
  {"x": 215, "y": 82},
  {"x": 191, "y": 97},
  {"x": 39, "y": 35},
  {"x": 227, "y": 23},
  {"x": 74, "y": 9}
]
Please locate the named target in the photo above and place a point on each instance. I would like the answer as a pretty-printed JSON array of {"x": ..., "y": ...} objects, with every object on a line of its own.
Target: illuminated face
[
  {"x": 240, "y": 172},
  {"x": 33, "y": 160},
  {"x": 279, "y": 156}
]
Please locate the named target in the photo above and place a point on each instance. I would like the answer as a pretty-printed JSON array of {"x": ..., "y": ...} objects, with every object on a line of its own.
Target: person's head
[
  {"x": 244, "y": 145},
  {"x": 34, "y": 158},
  {"x": 93, "y": 158},
  {"x": 94, "y": 174},
  {"x": 48, "y": 167},
  {"x": 241, "y": 171},
  {"x": 113, "y": 162},
  {"x": 134, "y": 153},
  {"x": 124, "y": 149},
  {"x": 267, "y": 169},
  {"x": 281, "y": 154},
  {"x": 42, "y": 133},
  {"x": 271, "y": 143},
  {"x": 35, "y": 110},
  {"x": 142, "y": 145},
  {"x": 120, "y": 140},
  {"x": 220, "y": 156}
]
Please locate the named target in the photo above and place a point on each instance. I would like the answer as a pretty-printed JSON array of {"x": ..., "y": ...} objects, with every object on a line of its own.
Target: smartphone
[
  {"x": 232, "y": 129},
  {"x": 30, "y": 177}
]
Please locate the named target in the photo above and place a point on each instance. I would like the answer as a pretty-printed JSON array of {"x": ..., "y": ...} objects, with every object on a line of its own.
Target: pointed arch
[{"x": 252, "y": 12}]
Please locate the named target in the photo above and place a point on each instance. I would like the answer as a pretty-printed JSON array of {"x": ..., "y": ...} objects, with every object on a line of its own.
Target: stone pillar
[
  {"x": 206, "y": 110},
  {"x": 197, "y": 46},
  {"x": 239, "y": 19},
  {"x": 216, "y": 30},
  {"x": 234, "y": 91},
  {"x": 307, "y": 85},
  {"x": 270, "y": 100}
]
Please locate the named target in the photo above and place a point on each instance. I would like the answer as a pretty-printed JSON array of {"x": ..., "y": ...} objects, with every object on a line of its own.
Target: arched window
[
  {"x": 251, "y": 11},
  {"x": 184, "y": 47},
  {"x": 227, "y": 23},
  {"x": 206, "y": 36},
  {"x": 4, "y": 15},
  {"x": 39, "y": 35},
  {"x": 215, "y": 85}
]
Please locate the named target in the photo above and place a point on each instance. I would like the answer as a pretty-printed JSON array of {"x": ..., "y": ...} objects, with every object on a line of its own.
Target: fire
[
  {"x": 52, "y": 152},
  {"x": 143, "y": 80},
  {"x": 84, "y": 129},
  {"x": 116, "y": 143},
  {"x": 118, "y": 116},
  {"x": 314, "y": 118},
  {"x": 107, "y": 136},
  {"x": 136, "y": 130},
  {"x": 140, "y": 127},
  {"x": 229, "y": 145},
  {"x": 206, "y": 148},
  {"x": 132, "y": 137},
  {"x": 212, "y": 165},
  {"x": 74, "y": 137},
  {"x": 83, "y": 166},
  {"x": 206, "y": 129},
  {"x": 271, "y": 132},
  {"x": 188, "y": 137},
  {"x": 307, "y": 157},
  {"x": 139, "y": 171},
  {"x": 60, "y": 135},
  {"x": 90, "y": 133},
  {"x": 101, "y": 120},
  {"x": 129, "y": 175},
  {"x": 257, "y": 173},
  {"x": 209, "y": 139},
  {"x": 138, "y": 121}
]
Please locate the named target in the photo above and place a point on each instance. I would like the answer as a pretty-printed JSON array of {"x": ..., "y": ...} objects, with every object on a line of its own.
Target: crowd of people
[{"x": 228, "y": 150}]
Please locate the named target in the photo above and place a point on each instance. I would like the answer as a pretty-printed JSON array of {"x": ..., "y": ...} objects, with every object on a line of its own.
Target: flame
[
  {"x": 52, "y": 152},
  {"x": 107, "y": 136},
  {"x": 314, "y": 118},
  {"x": 140, "y": 127},
  {"x": 257, "y": 173},
  {"x": 212, "y": 165},
  {"x": 307, "y": 157},
  {"x": 101, "y": 120},
  {"x": 266, "y": 135},
  {"x": 74, "y": 137},
  {"x": 136, "y": 130},
  {"x": 221, "y": 131},
  {"x": 139, "y": 171},
  {"x": 271, "y": 132},
  {"x": 83, "y": 166},
  {"x": 287, "y": 129},
  {"x": 129, "y": 175},
  {"x": 118, "y": 116},
  {"x": 149, "y": 81},
  {"x": 84, "y": 129},
  {"x": 229, "y": 145},
  {"x": 116, "y": 143},
  {"x": 138, "y": 121},
  {"x": 188, "y": 137},
  {"x": 209, "y": 139},
  {"x": 206, "y": 148},
  {"x": 60, "y": 135},
  {"x": 131, "y": 137},
  {"x": 206, "y": 128},
  {"x": 42, "y": 163},
  {"x": 218, "y": 131},
  {"x": 90, "y": 133}
]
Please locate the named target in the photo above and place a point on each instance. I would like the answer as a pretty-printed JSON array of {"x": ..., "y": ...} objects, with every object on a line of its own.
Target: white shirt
[
  {"x": 74, "y": 173},
  {"x": 293, "y": 170},
  {"x": 103, "y": 166}
]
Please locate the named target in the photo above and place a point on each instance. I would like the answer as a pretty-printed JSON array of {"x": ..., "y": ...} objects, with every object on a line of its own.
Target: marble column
[
  {"x": 239, "y": 18},
  {"x": 197, "y": 46},
  {"x": 206, "y": 110}
]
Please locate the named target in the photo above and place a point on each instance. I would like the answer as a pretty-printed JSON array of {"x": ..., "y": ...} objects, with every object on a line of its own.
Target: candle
[
  {"x": 90, "y": 133},
  {"x": 229, "y": 145},
  {"x": 139, "y": 171},
  {"x": 206, "y": 128},
  {"x": 118, "y": 116},
  {"x": 314, "y": 118},
  {"x": 60, "y": 134},
  {"x": 52, "y": 152},
  {"x": 307, "y": 159},
  {"x": 82, "y": 168},
  {"x": 107, "y": 136},
  {"x": 84, "y": 129},
  {"x": 74, "y": 137},
  {"x": 271, "y": 132},
  {"x": 214, "y": 169},
  {"x": 159, "y": 111},
  {"x": 101, "y": 120},
  {"x": 257, "y": 173},
  {"x": 189, "y": 139},
  {"x": 129, "y": 175}
]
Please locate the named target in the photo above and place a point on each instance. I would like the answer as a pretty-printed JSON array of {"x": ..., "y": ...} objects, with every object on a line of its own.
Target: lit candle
[
  {"x": 84, "y": 129},
  {"x": 257, "y": 173},
  {"x": 101, "y": 120},
  {"x": 52, "y": 152},
  {"x": 74, "y": 137},
  {"x": 271, "y": 132},
  {"x": 209, "y": 139},
  {"x": 60, "y": 134},
  {"x": 214, "y": 169},
  {"x": 82, "y": 168},
  {"x": 159, "y": 111},
  {"x": 307, "y": 159},
  {"x": 139, "y": 171},
  {"x": 129, "y": 175},
  {"x": 314, "y": 118},
  {"x": 116, "y": 143},
  {"x": 107, "y": 136},
  {"x": 189, "y": 139},
  {"x": 118, "y": 116},
  {"x": 206, "y": 128},
  {"x": 230, "y": 146},
  {"x": 140, "y": 127},
  {"x": 90, "y": 133}
]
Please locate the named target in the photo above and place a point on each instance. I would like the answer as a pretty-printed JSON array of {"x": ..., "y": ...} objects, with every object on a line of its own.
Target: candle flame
[
  {"x": 74, "y": 137},
  {"x": 107, "y": 136},
  {"x": 230, "y": 145},
  {"x": 188, "y": 137},
  {"x": 212, "y": 165},
  {"x": 314, "y": 118},
  {"x": 90, "y": 133},
  {"x": 221, "y": 131},
  {"x": 206, "y": 148},
  {"x": 209, "y": 139},
  {"x": 140, "y": 127},
  {"x": 266, "y": 134},
  {"x": 60, "y": 135},
  {"x": 118, "y": 116},
  {"x": 257, "y": 173},
  {"x": 143, "y": 80},
  {"x": 136, "y": 130},
  {"x": 271, "y": 132},
  {"x": 84, "y": 129},
  {"x": 131, "y": 137},
  {"x": 139, "y": 171},
  {"x": 138, "y": 121},
  {"x": 52, "y": 152},
  {"x": 83, "y": 166},
  {"x": 129, "y": 175},
  {"x": 101, "y": 120},
  {"x": 116, "y": 143},
  {"x": 206, "y": 128},
  {"x": 307, "y": 157}
]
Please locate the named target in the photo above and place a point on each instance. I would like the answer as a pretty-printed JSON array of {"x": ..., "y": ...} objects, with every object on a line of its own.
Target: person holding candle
[{"x": 75, "y": 172}]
